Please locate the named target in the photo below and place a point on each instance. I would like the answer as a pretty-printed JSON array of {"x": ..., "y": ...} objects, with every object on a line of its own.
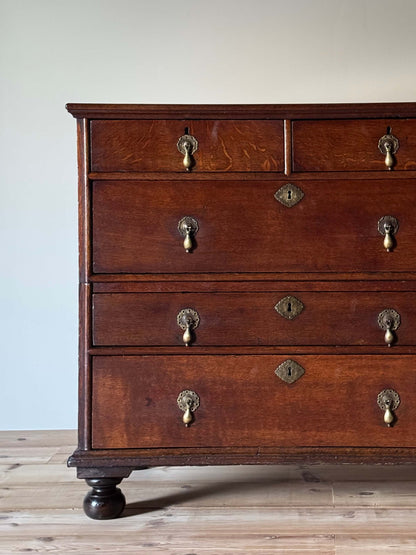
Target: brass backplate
[
  {"x": 187, "y": 222},
  {"x": 289, "y": 307},
  {"x": 187, "y": 140},
  {"x": 187, "y": 315},
  {"x": 388, "y": 398},
  {"x": 289, "y": 371},
  {"x": 389, "y": 220},
  {"x": 390, "y": 140},
  {"x": 188, "y": 399},
  {"x": 389, "y": 319},
  {"x": 289, "y": 195}
]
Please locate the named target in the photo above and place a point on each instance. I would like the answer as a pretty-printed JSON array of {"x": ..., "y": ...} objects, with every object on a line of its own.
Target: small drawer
[
  {"x": 240, "y": 226},
  {"x": 352, "y": 145},
  {"x": 152, "y": 146},
  {"x": 243, "y": 402},
  {"x": 257, "y": 318}
]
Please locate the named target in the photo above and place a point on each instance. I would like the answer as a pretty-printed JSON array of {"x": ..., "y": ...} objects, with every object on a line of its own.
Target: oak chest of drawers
[{"x": 247, "y": 287}]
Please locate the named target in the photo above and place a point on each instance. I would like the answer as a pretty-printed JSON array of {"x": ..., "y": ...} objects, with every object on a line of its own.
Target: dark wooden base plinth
[{"x": 104, "y": 470}]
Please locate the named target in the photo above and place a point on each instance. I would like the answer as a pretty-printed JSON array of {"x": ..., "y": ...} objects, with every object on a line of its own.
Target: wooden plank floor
[{"x": 321, "y": 509}]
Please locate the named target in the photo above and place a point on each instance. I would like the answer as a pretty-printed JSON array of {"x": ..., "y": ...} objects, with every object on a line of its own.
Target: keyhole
[
  {"x": 289, "y": 307},
  {"x": 388, "y": 130},
  {"x": 289, "y": 194},
  {"x": 186, "y": 130},
  {"x": 289, "y": 371}
]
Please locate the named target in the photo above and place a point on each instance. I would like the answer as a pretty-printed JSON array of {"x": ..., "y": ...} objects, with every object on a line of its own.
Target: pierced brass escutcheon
[
  {"x": 388, "y": 400},
  {"x": 289, "y": 195},
  {"x": 388, "y": 145},
  {"x": 188, "y": 402},
  {"x": 187, "y": 145},
  {"x": 289, "y": 371},
  {"x": 389, "y": 320},
  {"x": 388, "y": 226},
  {"x": 188, "y": 320},
  {"x": 289, "y": 307},
  {"x": 188, "y": 227}
]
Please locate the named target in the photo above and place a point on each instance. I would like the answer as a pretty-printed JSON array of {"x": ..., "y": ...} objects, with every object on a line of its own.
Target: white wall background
[{"x": 145, "y": 51}]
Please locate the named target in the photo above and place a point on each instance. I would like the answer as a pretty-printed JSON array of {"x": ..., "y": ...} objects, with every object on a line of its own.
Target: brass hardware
[
  {"x": 188, "y": 320},
  {"x": 389, "y": 320},
  {"x": 188, "y": 402},
  {"x": 289, "y": 371},
  {"x": 188, "y": 228},
  {"x": 388, "y": 400},
  {"x": 289, "y": 307},
  {"x": 289, "y": 195},
  {"x": 187, "y": 145},
  {"x": 388, "y": 145},
  {"x": 388, "y": 226}
]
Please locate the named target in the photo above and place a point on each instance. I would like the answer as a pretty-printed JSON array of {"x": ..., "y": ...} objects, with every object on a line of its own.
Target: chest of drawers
[{"x": 247, "y": 287}]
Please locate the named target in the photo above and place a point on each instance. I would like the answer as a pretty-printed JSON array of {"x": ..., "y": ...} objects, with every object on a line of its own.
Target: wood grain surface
[
  {"x": 351, "y": 145},
  {"x": 250, "y": 318},
  {"x": 223, "y": 146},
  {"x": 243, "y": 228},
  {"x": 244, "y": 404}
]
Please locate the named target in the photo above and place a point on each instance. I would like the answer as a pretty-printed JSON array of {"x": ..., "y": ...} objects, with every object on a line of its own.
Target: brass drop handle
[
  {"x": 187, "y": 243},
  {"x": 187, "y": 416},
  {"x": 389, "y": 335},
  {"x": 389, "y": 320},
  {"x": 187, "y": 145},
  {"x": 388, "y": 242},
  {"x": 388, "y": 145},
  {"x": 188, "y": 320},
  {"x": 187, "y": 160},
  {"x": 188, "y": 227},
  {"x": 388, "y": 226},
  {"x": 388, "y": 415},
  {"x": 388, "y": 160},
  {"x": 187, "y": 337},
  {"x": 388, "y": 401},
  {"x": 188, "y": 402}
]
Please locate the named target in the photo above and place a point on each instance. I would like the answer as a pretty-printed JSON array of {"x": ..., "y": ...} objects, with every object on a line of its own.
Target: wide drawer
[
  {"x": 242, "y": 227},
  {"x": 352, "y": 145},
  {"x": 242, "y": 402},
  {"x": 256, "y": 318},
  {"x": 222, "y": 145}
]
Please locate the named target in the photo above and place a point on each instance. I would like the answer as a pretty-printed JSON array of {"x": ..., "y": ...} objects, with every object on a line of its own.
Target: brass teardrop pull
[
  {"x": 187, "y": 337},
  {"x": 188, "y": 402},
  {"x": 388, "y": 226},
  {"x": 388, "y": 145},
  {"x": 389, "y": 320},
  {"x": 389, "y": 335},
  {"x": 388, "y": 415},
  {"x": 188, "y": 227},
  {"x": 187, "y": 243},
  {"x": 388, "y": 242},
  {"x": 388, "y": 401},
  {"x": 187, "y": 145},
  {"x": 187, "y": 161},
  {"x": 187, "y": 415},
  {"x": 188, "y": 320},
  {"x": 388, "y": 161}
]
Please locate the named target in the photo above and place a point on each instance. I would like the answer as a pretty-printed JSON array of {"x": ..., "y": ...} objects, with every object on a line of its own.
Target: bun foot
[{"x": 105, "y": 500}]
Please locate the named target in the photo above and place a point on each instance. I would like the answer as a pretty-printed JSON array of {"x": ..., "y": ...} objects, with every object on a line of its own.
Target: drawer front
[
  {"x": 325, "y": 318},
  {"x": 242, "y": 402},
  {"x": 351, "y": 145},
  {"x": 151, "y": 146},
  {"x": 243, "y": 228}
]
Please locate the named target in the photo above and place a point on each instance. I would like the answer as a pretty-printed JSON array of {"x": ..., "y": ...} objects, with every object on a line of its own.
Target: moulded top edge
[{"x": 244, "y": 111}]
